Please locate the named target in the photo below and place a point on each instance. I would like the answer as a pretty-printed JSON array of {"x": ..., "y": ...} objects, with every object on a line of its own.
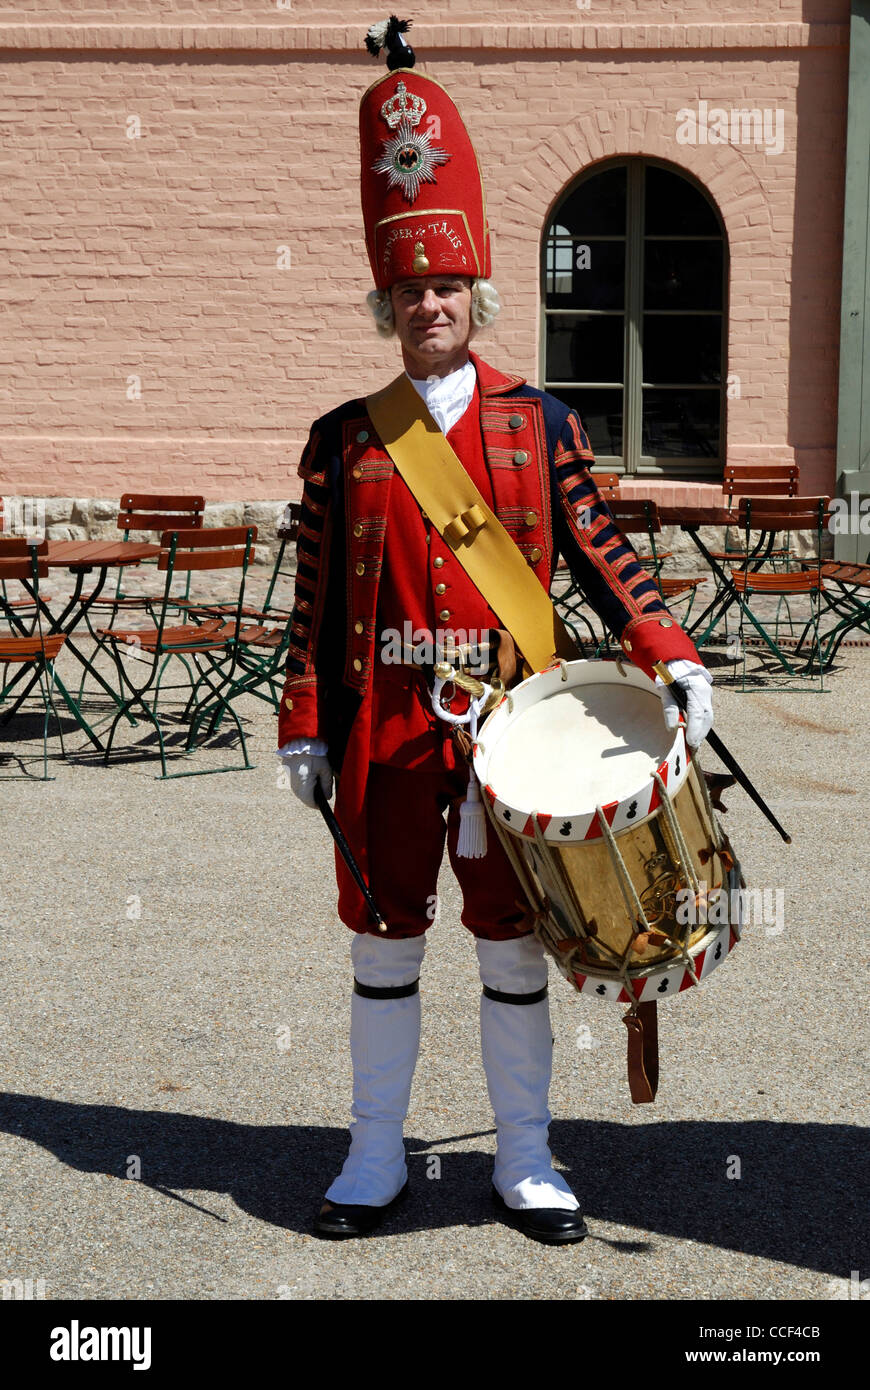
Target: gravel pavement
[{"x": 175, "y": 1007}]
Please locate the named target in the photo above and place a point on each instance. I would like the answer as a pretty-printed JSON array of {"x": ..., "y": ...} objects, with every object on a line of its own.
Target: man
[{"x": 370, "y": 564}]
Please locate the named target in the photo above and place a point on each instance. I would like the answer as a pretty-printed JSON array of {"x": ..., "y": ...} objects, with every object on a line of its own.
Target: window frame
[{"x": 632, "y": 463}]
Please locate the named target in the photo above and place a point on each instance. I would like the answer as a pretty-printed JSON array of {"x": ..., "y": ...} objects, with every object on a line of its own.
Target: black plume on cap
[{"x": 388, "y": 35}]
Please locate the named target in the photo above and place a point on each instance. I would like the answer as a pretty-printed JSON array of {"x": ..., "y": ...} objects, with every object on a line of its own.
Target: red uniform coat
[{"x": 530, "y": 456}]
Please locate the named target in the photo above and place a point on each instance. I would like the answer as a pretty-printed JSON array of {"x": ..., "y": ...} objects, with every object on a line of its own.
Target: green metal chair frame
[
  {"x": 746, "y": 480},
  {"x": 772, "y": 516},
  {"x": 843, "y": 583},
  {"x": 262, "y": 654},
  {"x": 152, "y": 513},
  {"x": 23, "y": 559},
  {"x": 262, "y": 660},
  {"x": 215, "y": 642}
]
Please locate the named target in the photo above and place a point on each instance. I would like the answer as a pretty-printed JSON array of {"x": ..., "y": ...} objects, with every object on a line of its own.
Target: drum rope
[
  {"x": 537, "y": 901},
  {"x": 622, "y": 874},
  {"x": 701, "y": 781},
  {"x": 677, "y": 833},
  {"x": 554, "y": 865},
  {"x": 625, "y": 965}
]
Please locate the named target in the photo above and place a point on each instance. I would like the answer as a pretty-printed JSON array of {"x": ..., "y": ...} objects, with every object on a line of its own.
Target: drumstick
[
  {"x": 719, "y": 748},
  {"x": 347, "y": 854}
]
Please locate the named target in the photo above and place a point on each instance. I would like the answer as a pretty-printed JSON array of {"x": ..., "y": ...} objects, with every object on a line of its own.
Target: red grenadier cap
[{"x": 423, "y": 203}]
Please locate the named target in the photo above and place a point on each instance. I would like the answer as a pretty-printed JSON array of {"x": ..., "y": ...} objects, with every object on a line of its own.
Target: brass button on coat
[
  {"x": 357, "y": 663},
  {"x": 515, "y": 422},
  {"x": 358, "y": 529},
  {"x": 438, "y": 561},
  {"x": 444, "y": 614},
  {"x": 535, "y": 555},
  {"x": 357, "y": 472},
  {"x": 288, "y": 703},
  {"x": 440, "y": 588},
  {"x": 531, "y": 518},
  {"x": 362, "y": 437},
  {"x": 359, "y": 627},
  {"x": 627, "y": 645},
  {"x": 521, "y": 456},
  {"x": 665, "y": 622},
  {"x": 360, "y": 569}
]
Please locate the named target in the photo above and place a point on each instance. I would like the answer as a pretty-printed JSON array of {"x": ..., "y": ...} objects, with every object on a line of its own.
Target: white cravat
[{"x": 447, "y": 397}]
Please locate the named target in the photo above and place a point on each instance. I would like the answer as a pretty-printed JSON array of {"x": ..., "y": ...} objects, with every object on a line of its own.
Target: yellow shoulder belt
[{"x": 444, "y": 491}]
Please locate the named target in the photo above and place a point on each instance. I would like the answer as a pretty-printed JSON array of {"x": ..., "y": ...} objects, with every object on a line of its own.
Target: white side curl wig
[{"x": 485, "y": 304}]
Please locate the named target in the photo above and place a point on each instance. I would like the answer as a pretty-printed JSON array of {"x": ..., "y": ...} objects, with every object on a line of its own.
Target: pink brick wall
[
  {"x": 293, "y": 13},
  {"x": 152, "y": 336}
]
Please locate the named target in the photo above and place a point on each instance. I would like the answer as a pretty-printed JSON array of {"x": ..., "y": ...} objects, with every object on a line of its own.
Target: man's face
[{"x": 433, "y": 322}]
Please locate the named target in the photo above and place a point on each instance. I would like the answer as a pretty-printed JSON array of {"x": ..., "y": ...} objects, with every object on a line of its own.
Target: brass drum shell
[{"x": 586, "y": 898}]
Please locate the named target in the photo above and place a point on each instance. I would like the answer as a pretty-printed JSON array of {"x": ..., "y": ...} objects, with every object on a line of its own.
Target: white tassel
[{"x": 472, "y": 822}]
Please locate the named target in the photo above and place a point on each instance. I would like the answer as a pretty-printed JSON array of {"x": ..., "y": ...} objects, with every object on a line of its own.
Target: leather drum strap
[
  {"x": 444, "y": 491},
  {"x": 643, "y": 1051}
]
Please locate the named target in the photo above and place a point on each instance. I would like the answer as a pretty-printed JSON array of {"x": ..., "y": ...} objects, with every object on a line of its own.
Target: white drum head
[{"x": 560, "y": 748}]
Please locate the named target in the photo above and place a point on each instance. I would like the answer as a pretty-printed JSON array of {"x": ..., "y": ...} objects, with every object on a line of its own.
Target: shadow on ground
[{"x": 801, "y": 1197}]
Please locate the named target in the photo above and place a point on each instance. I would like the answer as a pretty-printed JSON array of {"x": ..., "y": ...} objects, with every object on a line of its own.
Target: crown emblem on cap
[{"x": 403, "y": 106}]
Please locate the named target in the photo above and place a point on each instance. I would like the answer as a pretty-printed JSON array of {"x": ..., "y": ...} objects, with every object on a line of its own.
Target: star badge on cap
[{"x": 409, "y": 158}]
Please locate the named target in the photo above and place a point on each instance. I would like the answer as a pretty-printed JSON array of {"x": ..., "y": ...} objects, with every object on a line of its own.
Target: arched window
[{"x": 633, "y": 294}]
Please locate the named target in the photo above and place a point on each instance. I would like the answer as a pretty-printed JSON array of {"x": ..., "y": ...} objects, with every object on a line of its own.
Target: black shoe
[
  {"x": 336, "y": 1221},
  {"x": 550, "y": 1225}
]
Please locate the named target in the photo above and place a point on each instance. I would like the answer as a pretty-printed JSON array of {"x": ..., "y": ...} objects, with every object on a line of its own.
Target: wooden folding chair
[
  {"x": 21, "y": 558},
  {"x": 847, "y": 595},
  {"x": 772, "y": 516},
  {"x": 287, "y": 532},
  {"x": 213, "y": 645},
  {"x": 262, "y": 651},
  {"x": 150, "y": 513},
  {"x": 756, "y": 480}
]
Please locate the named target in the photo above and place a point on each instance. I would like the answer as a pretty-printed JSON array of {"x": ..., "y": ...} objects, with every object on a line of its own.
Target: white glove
[
  {"x": 306, "y": 769},
  {"x": 696, "y": 681},
  {"x": 307, "y": 766}
]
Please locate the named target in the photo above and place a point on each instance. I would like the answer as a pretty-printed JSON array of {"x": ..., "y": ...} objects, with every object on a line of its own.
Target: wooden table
[
  {"x": 105, "y": 555},
  {"x": 80, "y": 557},
  {"x": 690, "y": 518}
]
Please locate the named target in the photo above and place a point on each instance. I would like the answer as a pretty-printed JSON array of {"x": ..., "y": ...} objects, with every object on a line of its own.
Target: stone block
[
  {"x": 58, "y": 509},
  {"x": 223, "y": 514},
  {"x": 66, "y": 533},
  {"x": 264, "y": 515},
  {"x": 104, "y": 508}
]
